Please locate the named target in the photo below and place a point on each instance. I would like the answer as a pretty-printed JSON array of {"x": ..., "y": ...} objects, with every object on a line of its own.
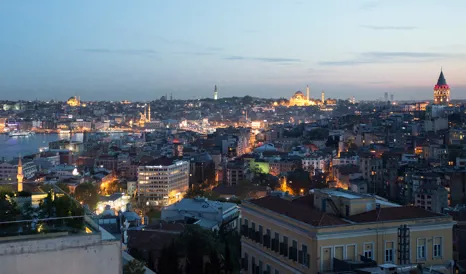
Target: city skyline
[{"x": 112, "y": 50}]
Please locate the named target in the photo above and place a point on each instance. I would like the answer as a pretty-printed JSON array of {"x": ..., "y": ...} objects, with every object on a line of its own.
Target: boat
[
  {"x": 64, "y": 131},
  {"x": 20, "y": 134}
]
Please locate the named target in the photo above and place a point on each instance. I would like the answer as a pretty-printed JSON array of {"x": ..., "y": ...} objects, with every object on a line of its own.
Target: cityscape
[{"x": 307, "y": 180}]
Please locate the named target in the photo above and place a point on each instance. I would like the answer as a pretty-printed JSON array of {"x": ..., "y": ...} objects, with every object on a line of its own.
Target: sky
[{"x": 142, "y": 50}]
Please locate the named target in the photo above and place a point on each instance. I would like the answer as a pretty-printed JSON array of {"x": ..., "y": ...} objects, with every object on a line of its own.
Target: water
[{"x": 11, "y": 147}]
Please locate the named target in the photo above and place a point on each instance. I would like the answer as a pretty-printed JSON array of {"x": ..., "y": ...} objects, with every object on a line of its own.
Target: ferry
[
  {"x": 64, "y": 131},
  {"x": 20, "y": 134}
]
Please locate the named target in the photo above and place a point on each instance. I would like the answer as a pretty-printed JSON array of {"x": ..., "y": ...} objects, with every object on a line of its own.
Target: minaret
[
  {"x": 323, "y": 96},
  {"x": 20, "y": 176},
  {"x": 307, "y": 93},
  {"x": 441, "y": 91},
  {"x": 148, "y": 114},
  {"x": 215, "y": 93}
]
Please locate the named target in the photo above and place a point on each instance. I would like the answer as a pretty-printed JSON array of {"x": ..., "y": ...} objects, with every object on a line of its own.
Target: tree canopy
[
  {"x": 88, "y": 194},
  {"x": 134, "y": 267}
]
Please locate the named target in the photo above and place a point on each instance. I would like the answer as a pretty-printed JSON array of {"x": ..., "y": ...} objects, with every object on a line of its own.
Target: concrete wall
[{"x": 67, "y": 254}]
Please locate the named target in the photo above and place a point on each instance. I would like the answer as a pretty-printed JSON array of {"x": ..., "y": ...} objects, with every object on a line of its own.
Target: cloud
[
  {"x": 188, "y": 45},
  {"x": 370, "y": 5},
  {"x": 264, "y": 59},
  {"x": 139, "y": 52},
  {"x": 317, "y": 71},
  {"x": 389, "y": 27},
  {"x": 194, "y": 53},
  {"x": 377, "y": 82},
  {"x": 377, "y": 57}
]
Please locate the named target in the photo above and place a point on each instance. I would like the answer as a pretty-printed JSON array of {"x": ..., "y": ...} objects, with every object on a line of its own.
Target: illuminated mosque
[
  {"x": 74, "y": 101},
  {"x": 300, "y": 100}
]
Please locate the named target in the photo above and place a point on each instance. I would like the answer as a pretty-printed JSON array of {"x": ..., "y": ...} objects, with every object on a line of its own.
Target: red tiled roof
[
  {"x": 300, "y": 209},
  {"x": 393, "y": 214}
]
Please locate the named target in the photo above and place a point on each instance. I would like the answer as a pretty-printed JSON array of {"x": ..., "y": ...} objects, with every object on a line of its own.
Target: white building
[
  {"x": 164, "y": 181},
  {"x": 60, "y": 252},
  {"x": 314, "y": 162},
  {"x": 208, "y": 214},
  {"x": 345, "y": 159},
  {"x": 63, "y": 172},
  {"x": 8, "y": 170}
]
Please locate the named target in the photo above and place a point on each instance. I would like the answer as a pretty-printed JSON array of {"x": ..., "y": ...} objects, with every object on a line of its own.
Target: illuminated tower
[
  {"x": 307, "y": 93},
  {"x": 148, "y": 114},
  {"x": 20, "y": 176},
  {"x": 215, "y": 93},
  {"x": 323, "y": 96},
  {"x": 441, "y": 91}
]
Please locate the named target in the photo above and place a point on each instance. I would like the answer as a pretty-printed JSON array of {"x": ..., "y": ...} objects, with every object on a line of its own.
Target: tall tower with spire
[
  {"x": 215, "y": 93},
  {"x": 441, "y": 91},
  {"x": 323, "y": 97},
  {"x": 20, "y": 176}
]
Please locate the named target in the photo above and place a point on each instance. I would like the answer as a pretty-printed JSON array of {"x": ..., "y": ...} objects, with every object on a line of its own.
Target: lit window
[{"x": 421, "y": 249}]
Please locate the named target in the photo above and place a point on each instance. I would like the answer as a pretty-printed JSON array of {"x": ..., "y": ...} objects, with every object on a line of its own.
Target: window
[
  {"x": 368, "y": 251},
  {"x": 421, "y": 249},
  {"x": 285, "y": 246},
  {"x": 261, "y": 234},
  {"x": 260, "y": 266},
  {"x": 268, "y": 233},
  {"x": 305, "y": 255},
  {"x": 276, "y": 271},
  {"x": 294, "y": 249},
  {"x": 277, "y": 242},
  {"x": 437, "y": 247},
  {"x": 389, "y": 252},
  {"x": 269, "y": 269}
]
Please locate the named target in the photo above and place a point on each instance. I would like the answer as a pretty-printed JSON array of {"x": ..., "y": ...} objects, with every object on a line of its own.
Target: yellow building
[
  {"x": 332, "y": 230},
  {"x": 299, "y": 99},
  {"x": 74, "y": 101}
]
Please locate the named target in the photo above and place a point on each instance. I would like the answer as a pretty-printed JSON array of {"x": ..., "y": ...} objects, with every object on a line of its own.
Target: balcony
[{"x": 274, "y": 245}]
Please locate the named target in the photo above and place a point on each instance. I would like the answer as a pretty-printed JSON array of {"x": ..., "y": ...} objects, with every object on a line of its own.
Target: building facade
[
  {"x": 309, "y": 234},
  {"x": 163, "y": 181},
  {"x": 9, "y": 170}
]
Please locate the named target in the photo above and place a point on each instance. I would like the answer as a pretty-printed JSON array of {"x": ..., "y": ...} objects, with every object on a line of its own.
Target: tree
[
  {"x": 63, "y": 187},
  {"x": 214, "y": 264},
  {"x": 88, "y": 194},
  {"x": 194, "y": 257},
  {"x": 8, "y": 209},
  {"x": 134, "y": 267},
  {"x": 228, "y": 266},
  {"x": 27, "y": 211},
  {"x": 168, "y": 261}
]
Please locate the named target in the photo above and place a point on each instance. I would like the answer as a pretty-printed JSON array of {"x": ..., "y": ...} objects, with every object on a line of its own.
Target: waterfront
[{"x": 11, "y": 147}]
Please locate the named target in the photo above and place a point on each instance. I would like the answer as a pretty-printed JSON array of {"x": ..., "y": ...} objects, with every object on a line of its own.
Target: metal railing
[{"x": 69, "y": 224}]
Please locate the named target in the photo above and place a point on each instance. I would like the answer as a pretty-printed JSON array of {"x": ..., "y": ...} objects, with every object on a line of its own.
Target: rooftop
[
  {"x": 393, "y": 214},
  {"x": 201, "y": 204},
  {"x": 163, "y": 161},
  {"x": 341, "y": 193},
  {"x": 300, "y": 209}
]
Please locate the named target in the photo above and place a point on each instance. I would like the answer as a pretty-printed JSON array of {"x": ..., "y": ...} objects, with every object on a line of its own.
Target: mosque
[
  {"x": 300, "y": 100},
  {"x": 74, "y": 101}
]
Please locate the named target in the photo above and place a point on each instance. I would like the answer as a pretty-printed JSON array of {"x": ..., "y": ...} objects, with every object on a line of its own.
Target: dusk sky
[{"x": 141, "y": 50}]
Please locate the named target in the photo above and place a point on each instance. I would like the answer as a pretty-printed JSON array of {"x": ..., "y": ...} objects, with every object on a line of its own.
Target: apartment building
[
  {"x": 163, "y": 181},
  {"x": 9, "y": 170},
  {"x": 309, "y": 234}
]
